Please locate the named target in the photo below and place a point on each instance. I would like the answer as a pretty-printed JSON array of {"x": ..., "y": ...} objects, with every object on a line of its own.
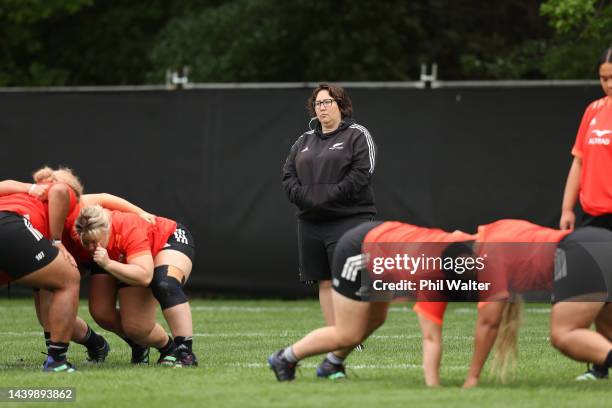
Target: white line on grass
[
  {"x": 474, "y": 310},
  {"x": 357, "y": 367}
]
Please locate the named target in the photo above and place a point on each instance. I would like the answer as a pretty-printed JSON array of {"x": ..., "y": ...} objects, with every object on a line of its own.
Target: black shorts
[
  {"x": 601, "y": 221},
  {"x": 181, "y": 240},
  {"x": 349, "y": 263},
  {"x": 23, "y": 249},
  {"x": 316, "y": 244},
  {"x": 583, "y": 266}
]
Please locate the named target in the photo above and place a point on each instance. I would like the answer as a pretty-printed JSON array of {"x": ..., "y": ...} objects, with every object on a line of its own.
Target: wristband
[{"x": 56, "y": 241}]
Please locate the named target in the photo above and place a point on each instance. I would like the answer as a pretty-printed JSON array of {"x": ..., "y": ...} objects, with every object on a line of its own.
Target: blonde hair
[
  {"x": 92, "y": 220},
  {"x": 62, "y": 174},
  {"x": 505, "y": 355}
]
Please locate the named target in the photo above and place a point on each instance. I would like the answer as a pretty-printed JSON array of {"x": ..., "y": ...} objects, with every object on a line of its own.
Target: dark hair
[
  {"x": 336, "y": 92},
  {"x": 606, "y": 57}
]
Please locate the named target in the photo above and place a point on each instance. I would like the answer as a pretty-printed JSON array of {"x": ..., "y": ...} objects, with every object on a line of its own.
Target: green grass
[{"x": 235, "y": 337}]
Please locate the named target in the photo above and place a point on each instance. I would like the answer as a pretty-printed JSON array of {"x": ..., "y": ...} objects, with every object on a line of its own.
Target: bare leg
[
  {"x": 137, "y": 310},
  {"x": 179, "y": 316},
  {"x": 103, "y": 303},
  {"x": 63, "y": 280},
  {"x": 432, "y": 350},
  {"x": 352, "y": 327},
  {"x": 570, "y": 334},
  {"x": 603, "y": 322},
  {"x": 326, "y": 301}
]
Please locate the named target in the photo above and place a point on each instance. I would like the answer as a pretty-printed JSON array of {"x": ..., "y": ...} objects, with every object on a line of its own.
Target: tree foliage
[
  {"x": 583, "y": 29},
  {"x": 105, "y": 42}
]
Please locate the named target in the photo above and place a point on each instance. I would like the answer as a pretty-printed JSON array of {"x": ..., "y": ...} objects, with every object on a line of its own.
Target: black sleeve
[
  {"x": 362, "y": 167},
  {"x": 291, "y": 184}
]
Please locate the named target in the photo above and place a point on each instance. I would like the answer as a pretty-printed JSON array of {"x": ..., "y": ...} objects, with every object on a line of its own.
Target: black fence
[{"x": 211, "y": 158}]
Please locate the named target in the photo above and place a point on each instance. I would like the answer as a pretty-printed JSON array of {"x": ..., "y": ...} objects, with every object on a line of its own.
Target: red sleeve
[{"x": 582, "y": 130}]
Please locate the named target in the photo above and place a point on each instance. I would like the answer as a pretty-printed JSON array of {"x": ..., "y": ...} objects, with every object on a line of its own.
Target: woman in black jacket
[{"x": 328, "y": 176}]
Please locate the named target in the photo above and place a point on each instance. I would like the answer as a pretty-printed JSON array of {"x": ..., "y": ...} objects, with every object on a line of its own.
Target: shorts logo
[
  {"x": 560, "y": 264},
  {"x": 352, "y": 266},
  {"x": 33, "y": 230},
  {"x": 335, "y": 282},
  {"x": 39, "y": 256},
  {"x": 180, "y": 236}
]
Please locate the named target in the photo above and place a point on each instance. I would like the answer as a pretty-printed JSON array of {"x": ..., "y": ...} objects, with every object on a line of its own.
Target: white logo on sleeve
[
  {"x": 337, "y": 146},
  {"x": 39, "y": 256},
  {"x": 304, "y": 149},
  {"x": 593, "y": 122}
]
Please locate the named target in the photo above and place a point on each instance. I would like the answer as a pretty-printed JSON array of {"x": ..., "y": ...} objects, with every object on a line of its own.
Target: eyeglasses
[{"x": 325, "y": 102}]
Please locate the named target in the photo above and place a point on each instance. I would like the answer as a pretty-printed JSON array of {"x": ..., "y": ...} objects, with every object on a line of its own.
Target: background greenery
[{"x": 118, "y": 42}]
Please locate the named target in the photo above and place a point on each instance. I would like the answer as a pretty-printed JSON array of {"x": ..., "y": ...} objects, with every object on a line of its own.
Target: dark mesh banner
[{"x": 211, "y": 159}]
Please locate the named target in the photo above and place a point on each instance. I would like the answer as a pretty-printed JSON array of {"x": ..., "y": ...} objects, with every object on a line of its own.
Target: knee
[
  {"x": 104, "y": 319},
  {"x": 71, "y": 277},
  {"x": 167, "y": 290},
  {"x": 557, "y": 338},
  {"x": 348, "y": 339}
]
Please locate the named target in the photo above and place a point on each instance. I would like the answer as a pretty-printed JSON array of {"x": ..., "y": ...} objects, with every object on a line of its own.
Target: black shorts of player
[
  {"x": 601, "y": 221},
  {"x": 583, "y": 266},
  {"x": 181, "y": 240},
  {"x": 316, "y": 244},
  {"x": 23, "y": 249},
  {"x": 349, "y": 263}
]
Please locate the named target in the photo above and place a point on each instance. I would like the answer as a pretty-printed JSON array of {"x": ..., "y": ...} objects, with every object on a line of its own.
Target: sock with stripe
[
  {"x": 57, "y": 350},
  {"x": 186, "y": 341},
  {"x": 92, "y": 340}
]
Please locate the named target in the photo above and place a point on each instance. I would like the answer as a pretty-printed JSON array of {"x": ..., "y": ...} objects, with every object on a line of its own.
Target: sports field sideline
[{"x": 233, "y": 339}]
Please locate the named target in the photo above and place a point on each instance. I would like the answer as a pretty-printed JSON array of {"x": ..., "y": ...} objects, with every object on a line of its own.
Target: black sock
[
  {"x": 57, "y": 350},
  {"x": 167, "y": 348},
  {"x": 92, "y": 340},
  {"x": 608, "y": 363},
  {"x": 47, "y": 338},
  {"x": 600, "y": 368},
  {"x": 186, "y": 341},
  {"x": 129, "y": 342}
]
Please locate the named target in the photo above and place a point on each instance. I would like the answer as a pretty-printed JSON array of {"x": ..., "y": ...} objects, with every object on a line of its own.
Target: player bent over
[{"x": 28, "y": 258}]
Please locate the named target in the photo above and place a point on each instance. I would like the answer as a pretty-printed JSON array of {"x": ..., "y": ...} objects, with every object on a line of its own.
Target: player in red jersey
[
  {"x": 142, "y": 255},
  {"x": 358, "y": 309},
  {"x": 576, "y": 266},
  {"x": 589, "y": 176},
  {"x": 97, "y": 347},
  {"x": 28, "y": 257}
]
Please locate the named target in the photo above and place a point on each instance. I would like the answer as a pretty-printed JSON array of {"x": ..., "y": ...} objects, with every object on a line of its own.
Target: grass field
[{"x": 233, "y": 339}]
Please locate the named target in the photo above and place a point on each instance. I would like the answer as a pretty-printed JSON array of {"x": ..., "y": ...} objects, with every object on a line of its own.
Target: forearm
[
  {"x": 432, "y": 355},
  {"x": 483, "y": 343},
  {"x": 13, "y": 187},
  {"x": 59, "y": 205},
  {"x": 111, "y": 202},
  {"x": 129, "y": 273},
  {"x": 572, "y": 186}
]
